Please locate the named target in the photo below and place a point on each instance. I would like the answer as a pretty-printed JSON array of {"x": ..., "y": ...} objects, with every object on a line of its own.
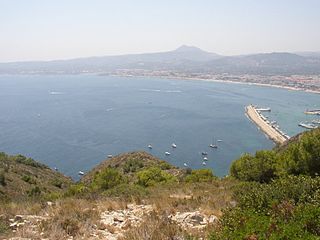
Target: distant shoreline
[{"x": 221, "y": 81}]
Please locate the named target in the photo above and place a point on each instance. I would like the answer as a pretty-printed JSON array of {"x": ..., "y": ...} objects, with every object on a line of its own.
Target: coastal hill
[
  {"x": 22, "y": 177},
  {"x": 185, "y": 59},
  {"x": 272, "y": 194}
]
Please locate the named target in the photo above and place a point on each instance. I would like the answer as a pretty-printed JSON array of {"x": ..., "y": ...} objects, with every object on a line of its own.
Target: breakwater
[{"x": 270, "y": 130}]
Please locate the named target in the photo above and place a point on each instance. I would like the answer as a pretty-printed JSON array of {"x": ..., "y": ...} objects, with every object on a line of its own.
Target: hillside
[
  {"x": 273, "y": 194},
  {"x": 22, "y": 177}
]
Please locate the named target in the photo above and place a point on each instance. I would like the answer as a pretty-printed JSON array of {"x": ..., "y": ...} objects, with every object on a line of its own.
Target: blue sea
[{"x": 73, "y": 122}]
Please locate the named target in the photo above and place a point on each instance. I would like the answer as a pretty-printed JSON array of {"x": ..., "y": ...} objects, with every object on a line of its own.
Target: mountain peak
[{"x": 186, "y": 48}]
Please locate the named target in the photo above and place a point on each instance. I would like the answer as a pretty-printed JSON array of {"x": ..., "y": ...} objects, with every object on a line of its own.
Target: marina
[{"x": 271, "y": 130}]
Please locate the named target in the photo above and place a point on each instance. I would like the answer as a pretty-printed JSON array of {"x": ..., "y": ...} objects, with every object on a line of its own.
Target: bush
[
  {"x": 57, "y": 183},
  {"x": 287, "y": 208},
  {"x": 28, "y": 161},
  {"x": 107, "y": 178},
  {"x": 76, "y": 189},
  {"x": 28, "y": 179},
  {"x": 201, "y": 175},
  {"x": 34, "y": 192},
  {"x": 261, "y": 197},
  {"x": 126, "y": 190},
  {"x": 301, "y": 156},
  {"x": 2, "y": 179},
  {"x": 260, "y": 168},
  {"x": 132, "y": 165},
  {"x": 153, "y": 176}
]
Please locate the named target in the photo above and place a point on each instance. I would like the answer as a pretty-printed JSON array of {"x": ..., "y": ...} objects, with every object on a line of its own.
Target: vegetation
[
  {"x": 201, "y": 175},
  {"x": 300, "y": 156},
  {"x": 280, "y": 195},
  {"x": 273, "y": 194}
]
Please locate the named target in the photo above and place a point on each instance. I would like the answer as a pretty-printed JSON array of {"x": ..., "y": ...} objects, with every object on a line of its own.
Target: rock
[
  {"x": 18, "y": 218},
  {"x": 192, "y": 220}
]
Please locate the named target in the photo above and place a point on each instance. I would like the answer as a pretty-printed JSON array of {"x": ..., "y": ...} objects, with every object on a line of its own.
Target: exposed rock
[
  {"x": 192, "y": 220},
  {"x": 115, "y": 223}
]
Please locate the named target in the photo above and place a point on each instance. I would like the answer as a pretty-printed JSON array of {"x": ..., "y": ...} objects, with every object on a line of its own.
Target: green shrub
[
  {"x": 261, "y": 197},
  {"x": 28, "y": 179},
  {"x": 201, "y": 175},
  {"x": 153, "y": 176},
  {"x": 107, "y": 178},
  {"x": 126, "y": 190},
  {"x": 57, "y": 183},
  {"x": 260, "y": 168},
  {"x": 286, "y": 208},
  {"x": 34, "y": 192},
  {"x": 3, "y": 225},
  {"x": 165, "y": 165},
  {"x": 28, "y": 161},
  {"x": 76, "y": 189},
  {"x": 132, "y": 165},
  {"x": 2, "y": 178}
]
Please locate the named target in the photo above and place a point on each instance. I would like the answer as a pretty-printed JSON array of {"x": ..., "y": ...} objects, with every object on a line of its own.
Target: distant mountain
[
  {"x": 186, "y": 59},
  {"x": 265, "y": 63},
  {"x": 309, "y": 54}
]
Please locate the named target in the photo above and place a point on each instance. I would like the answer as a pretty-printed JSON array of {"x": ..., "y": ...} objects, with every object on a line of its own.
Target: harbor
[{"x": 269, "y": 128}]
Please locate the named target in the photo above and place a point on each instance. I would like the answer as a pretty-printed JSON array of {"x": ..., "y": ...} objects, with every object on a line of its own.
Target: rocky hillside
[{"x": 22, "y": 177}]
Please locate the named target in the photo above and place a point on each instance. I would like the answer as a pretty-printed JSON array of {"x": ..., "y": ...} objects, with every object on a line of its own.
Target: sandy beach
[{"x": 263, "y": 126}]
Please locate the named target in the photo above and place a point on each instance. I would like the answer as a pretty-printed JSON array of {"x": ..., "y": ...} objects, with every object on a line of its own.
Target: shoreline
[
  {"x": 272, "y": 133},
  {"x": 220, "y": 81}
]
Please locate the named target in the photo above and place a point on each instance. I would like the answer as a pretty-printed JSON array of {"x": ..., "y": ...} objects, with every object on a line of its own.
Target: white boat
[
  {"x": 167, "y": 153},
  {"x": 219, "y": 140},
  {"x": 316, "y": 121},
  {"x": 264, "y": 109},
  {"x": 150, "y": 146},
  {"x": 213, "y": 146},
  {"x": 110, "y": 156},
  {"x": 173, "y": 145},
  {"x": 308, "y": 125},
  {"x": 185, "y": 164},
  {"x": 205, "y": 159},
  {"x": 81, "y": 173},
  {"x": 204, "y": 163}
]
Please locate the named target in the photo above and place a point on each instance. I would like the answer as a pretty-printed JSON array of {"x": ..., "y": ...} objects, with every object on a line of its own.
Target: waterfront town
[{"x": 310, "y": 83}]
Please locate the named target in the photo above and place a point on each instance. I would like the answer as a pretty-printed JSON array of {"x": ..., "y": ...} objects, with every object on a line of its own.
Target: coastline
[
  {"x": 272, "y": 133},
  {"x": 221, "y": 81}
]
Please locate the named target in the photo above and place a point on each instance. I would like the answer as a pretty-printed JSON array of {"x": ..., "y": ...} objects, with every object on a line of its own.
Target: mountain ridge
[{"x": 188, "y": 59}]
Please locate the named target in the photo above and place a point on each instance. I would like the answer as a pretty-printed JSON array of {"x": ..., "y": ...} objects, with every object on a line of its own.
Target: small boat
[
  {"x": 219, "y": 140},
  {"x": 205, "y": 159},
  {"x": 81, "y": 173},
  {"x": 204, "y": 153},
  {"x": 316, "y": 121},
  {"x": 307, "y": 125},
  {"x": 173, "y": 145},
  {"x": 213, "y": 145},
  {"x": 167, "y": 153},
  {"x": 150, "y": 146},
  {"x": 110, "y": 156},
  {"x": 204, "y": 163},
  {"x": 56, "y": 169},
  {"x": 185, "y": 164}
]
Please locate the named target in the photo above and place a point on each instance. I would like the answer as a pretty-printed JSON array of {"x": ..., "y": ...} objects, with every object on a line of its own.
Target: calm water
[{"x": 74, "y": 122}]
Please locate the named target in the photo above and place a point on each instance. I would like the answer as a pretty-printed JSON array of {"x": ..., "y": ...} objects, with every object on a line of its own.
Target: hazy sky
[{"x": 55, "y": 29}]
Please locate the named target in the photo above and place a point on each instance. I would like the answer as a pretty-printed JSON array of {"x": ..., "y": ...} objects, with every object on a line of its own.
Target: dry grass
[{"x": 155, "y": 227}]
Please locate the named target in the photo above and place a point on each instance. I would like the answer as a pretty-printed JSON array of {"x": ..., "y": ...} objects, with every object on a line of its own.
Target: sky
[{"x": 62, "y": 29}]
